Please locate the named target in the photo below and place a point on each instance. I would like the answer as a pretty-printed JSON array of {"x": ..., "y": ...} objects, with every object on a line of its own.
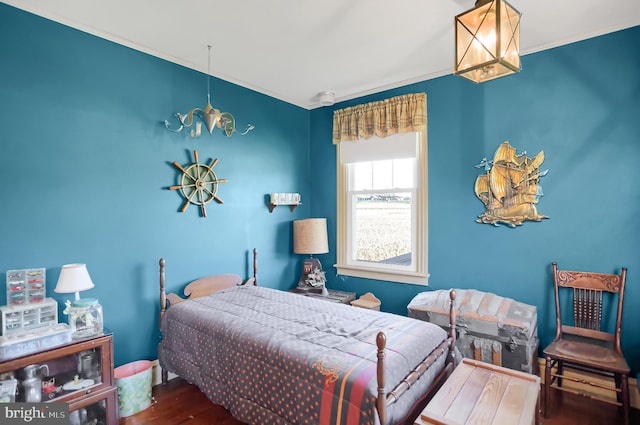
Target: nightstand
[{"x": 334, "y": 296}]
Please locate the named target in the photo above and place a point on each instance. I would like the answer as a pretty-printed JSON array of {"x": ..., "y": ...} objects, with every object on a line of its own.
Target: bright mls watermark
[{"x": 34, "y": 413}]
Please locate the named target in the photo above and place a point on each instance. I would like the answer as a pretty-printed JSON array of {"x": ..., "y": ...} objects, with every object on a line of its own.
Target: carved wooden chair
[{"x": 584, "y": 346}]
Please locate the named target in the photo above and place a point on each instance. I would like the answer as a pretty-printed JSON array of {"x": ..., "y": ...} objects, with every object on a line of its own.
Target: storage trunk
[{"x": 490, "y": 328}]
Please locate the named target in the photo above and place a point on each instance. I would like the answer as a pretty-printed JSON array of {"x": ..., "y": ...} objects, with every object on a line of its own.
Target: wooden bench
[{"x": 479, "y": 393}]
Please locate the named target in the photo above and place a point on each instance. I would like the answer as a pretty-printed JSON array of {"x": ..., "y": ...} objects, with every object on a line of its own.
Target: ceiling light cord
[{"x": 209, "y": 76}]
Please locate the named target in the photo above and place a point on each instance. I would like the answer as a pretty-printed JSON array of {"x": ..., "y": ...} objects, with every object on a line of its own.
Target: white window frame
[{"x": 387, "y": 272}]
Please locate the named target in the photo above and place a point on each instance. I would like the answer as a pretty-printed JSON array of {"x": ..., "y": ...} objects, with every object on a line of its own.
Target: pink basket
[{"x": 131, "y": 368}]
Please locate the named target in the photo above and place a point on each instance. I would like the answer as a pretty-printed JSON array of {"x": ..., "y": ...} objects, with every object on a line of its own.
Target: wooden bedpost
[
  {"x": 254, "y": 279},
  {"x": 255, "y": 267},
  {"x": 452, "y": 326},
  {"x": 163, "y": 308},
  {"x": 163, "y": 296},
  {"x": 381, "y": 401}
]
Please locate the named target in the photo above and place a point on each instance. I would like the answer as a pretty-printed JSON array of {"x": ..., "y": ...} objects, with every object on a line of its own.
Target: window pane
[
  {"x": 403, "y": 173},
  {"x": 382, "y": 228},
  {"x": 360, "y": 178},
  {"x": 382, "y": 175}
]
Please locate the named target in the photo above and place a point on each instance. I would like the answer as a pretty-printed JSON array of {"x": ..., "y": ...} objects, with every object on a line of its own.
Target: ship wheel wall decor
[{"x": 198, "y": 184}]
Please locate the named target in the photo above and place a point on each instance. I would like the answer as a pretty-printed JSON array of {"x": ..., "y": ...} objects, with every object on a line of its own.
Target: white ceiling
[{"x": 294, "y": 49}]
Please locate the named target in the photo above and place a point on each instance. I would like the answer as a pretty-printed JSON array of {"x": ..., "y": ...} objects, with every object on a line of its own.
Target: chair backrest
[{"x": 588, "y": 288}]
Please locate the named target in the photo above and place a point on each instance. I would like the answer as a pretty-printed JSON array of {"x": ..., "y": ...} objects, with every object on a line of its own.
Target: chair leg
[
  {"x": 560, "y": 372},
  {"x": 624, "y": 382},
  {"x": 547, "y": 385},
  {"x": 537, "y": 415}
]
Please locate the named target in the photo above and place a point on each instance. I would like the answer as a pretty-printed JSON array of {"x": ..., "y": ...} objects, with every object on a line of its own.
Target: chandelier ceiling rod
[{"x": 209, "y": 76}]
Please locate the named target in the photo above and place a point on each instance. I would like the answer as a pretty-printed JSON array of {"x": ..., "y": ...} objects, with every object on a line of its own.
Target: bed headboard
[{"x": 204, "y": 286}]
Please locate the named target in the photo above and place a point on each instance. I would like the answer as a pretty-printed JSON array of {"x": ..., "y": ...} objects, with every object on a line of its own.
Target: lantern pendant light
[{"x": 487, "y": 41}]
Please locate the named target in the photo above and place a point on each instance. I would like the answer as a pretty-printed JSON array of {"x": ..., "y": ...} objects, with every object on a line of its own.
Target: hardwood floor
[
  {"x": 569, "y": 409},
  {"x": 181, "y": 403}
]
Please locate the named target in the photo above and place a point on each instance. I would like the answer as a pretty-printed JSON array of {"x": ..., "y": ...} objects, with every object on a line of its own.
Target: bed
[{"x": 275, "y": 357}]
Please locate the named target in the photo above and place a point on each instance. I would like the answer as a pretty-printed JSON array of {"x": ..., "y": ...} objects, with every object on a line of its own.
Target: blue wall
[
  {"x": 85, "y": 162},
  {"x": 580, "y": 105}
]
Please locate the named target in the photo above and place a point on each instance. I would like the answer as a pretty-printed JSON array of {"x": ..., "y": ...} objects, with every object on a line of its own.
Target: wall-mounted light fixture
[
  {"x": 211, "y": 117},
  {"x": 487, "y": 41}
]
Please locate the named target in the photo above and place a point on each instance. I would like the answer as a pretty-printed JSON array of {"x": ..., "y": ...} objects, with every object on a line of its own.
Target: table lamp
[
  {"x": 85, "y": 315},
  {"x": 310, "y": 237},
  {"x": 73, "y": 279}
]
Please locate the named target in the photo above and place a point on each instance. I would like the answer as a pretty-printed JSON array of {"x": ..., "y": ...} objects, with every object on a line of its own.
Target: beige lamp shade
[
  {"x": 73, "y": 279},
  {"x": 310, "y": 236}
]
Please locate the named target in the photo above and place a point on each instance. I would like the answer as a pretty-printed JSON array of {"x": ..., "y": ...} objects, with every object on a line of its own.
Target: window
[{"x": 382, "y": 208}]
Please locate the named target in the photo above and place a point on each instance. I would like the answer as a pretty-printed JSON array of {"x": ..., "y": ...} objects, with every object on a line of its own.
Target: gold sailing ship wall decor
[{"x": 510, "y": 187}]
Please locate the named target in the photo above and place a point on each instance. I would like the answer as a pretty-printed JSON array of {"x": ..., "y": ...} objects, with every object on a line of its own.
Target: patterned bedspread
[{"x": 274, "y": 357}]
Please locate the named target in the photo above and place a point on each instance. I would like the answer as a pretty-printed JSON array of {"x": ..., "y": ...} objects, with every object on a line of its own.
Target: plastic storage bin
[
  {"x": 21, "y": 344},
  {"x": 134, "y": 387},
  {"x": 26, "y": 286},
  {"x": 20, "y": 319}
]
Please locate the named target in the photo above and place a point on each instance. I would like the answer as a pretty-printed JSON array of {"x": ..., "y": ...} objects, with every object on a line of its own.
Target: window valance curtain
[{"x": 401, "y": 114}]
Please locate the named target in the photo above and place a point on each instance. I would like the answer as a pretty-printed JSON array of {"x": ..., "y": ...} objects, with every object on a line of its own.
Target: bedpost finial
[
  {"x": 381, "y": 340},
  {"x": 452, "y": 294},
  {"x": 161, "y": 262}
]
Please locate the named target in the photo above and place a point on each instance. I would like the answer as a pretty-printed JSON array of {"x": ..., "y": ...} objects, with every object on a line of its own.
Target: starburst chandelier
[{"x": 211, "y": 116}]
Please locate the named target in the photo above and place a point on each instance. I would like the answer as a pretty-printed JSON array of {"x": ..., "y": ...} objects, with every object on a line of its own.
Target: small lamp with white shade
[{"x": 85, "y": 315}]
